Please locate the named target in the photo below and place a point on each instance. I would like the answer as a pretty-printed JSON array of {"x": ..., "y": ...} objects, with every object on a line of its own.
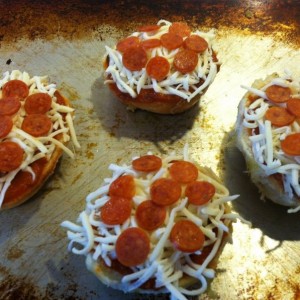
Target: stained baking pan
[{"x": 65, "y": 40}]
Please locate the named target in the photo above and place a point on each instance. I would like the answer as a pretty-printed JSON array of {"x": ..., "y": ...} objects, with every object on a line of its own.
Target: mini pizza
[
  {"x": 162, "y": 68},
  {"x": 158, "y": 225},
  {"x": 268, "y": 133},
  {"x": 36, "y": 122}
]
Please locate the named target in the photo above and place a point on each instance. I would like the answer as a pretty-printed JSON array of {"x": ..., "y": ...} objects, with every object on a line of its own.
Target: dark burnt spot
[
  {"x": 77, "y": 19},
  {"x": 22, "y": 288},
  {"x": 12, "y": 288}
]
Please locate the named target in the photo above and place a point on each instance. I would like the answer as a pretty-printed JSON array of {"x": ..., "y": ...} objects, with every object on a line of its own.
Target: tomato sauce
[{"x": 23, "y": 181}]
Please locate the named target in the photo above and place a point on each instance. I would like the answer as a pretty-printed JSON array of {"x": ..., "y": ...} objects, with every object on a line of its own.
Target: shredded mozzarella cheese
[
  {"x": 40, "y": 146},
  {"x": 165, "y": 263},
  {"x": 265, "y": 138},
  {"x": 186, "y": 86}
]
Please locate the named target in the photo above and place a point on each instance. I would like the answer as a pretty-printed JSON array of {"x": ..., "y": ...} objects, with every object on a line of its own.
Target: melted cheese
[
  {"x": 165, "y": 264},
  {"x": 186, "y": 86},
  {"x": 37, "y": 147},
  {"x": 266, "y": 147}
]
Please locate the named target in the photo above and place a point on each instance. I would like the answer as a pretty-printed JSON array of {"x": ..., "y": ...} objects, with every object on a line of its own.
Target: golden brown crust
[{"x": 43, "y": 168}]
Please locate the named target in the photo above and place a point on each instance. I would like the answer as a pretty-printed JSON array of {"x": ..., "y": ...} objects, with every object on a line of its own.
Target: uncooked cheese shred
[
  {"x": 185, "y": 77},
  {"x": 168, "y": 258},
  {"x": 269, "y": 130},
  {"x": 29, "y": 126}
]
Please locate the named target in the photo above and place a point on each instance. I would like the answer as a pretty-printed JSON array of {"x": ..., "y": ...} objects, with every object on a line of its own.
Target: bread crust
[
  {"x": 151, "y": 101},
  {"x": 112, "y": 276},
  {"x": 270, "y": 187},
  {"x": 45, "y": 170},
  {"x": 154, "y": 102}
]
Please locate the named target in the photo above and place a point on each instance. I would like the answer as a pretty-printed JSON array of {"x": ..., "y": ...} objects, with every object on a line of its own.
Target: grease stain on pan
[
  {"x": 14, "y": 253},
  {"x": 255, "y": 288},
  {"x": 15, "y": 287},
  {"x": 70, "y": 92}
]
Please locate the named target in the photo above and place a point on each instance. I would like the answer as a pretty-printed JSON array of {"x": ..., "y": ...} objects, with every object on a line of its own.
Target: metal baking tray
[{"x": 65, "y": 40}]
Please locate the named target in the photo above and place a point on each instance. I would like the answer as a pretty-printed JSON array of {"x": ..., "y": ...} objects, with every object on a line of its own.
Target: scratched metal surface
[{"x": 66, "y": 41}]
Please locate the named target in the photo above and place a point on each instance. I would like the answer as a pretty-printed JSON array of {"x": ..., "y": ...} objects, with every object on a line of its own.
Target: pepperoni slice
[
  {"x": 291, "y": 144},
  {"x": 183, "y": 171},
  {"x": 37, "y": 125},
  {"x": 279, "y": 116},
  {"x": 9, "y": 106},
  {"x": 293, "y": 106},
  {"x": 150, "y": 216},
  {"x": 158, "y": 68},
  {"x": 186, "y": 236},
  {"x": 185, "y": 61},
  {"x": 195, "y": 43},
  {"x": 116, "y": 210},
  {"x": 128, "y": 42},
  {"x": 151, "y": 43},
  {"x": 171, "y": 41},
  {"x": 149, "y": 28},
  {"x": 135, "y": 58},
  {"x": 278, "y": 94},
  {"x": 147, "y": 163},
  {"x": 199, "y": 192},
  {"x": 123, "y": 186},
  {"x": 38, "y": 103},
  {"x": 165, "y": 191},
  {"x": 11, "y": 156},
  {"x": 180, "y": 28},
  {"x": 6, "y": 125},
  {"x": 132, "y": 247},
  {"x": 15, "y": 88}
]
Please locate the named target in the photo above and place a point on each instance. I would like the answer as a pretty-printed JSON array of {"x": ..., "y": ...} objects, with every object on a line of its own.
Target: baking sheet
[{"x": 66, "y": 41}]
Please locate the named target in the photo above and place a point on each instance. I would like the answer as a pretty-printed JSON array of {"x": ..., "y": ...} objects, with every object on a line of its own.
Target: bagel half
[
  {"x": 174, "y": 92},
  {"x": 193, "y": 270},
  {"x": 41, "y": 154},
  {"x": 154, "y": 102},
  {"x": 271, "y": 171}
]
